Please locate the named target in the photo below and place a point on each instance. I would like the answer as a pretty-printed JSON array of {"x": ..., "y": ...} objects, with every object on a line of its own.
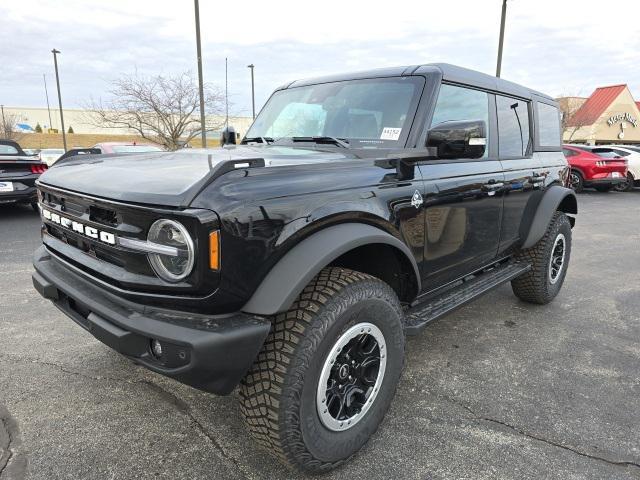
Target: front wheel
[
  {"x": 549, "y": 259},
  {"x": 327, "y": 372}
]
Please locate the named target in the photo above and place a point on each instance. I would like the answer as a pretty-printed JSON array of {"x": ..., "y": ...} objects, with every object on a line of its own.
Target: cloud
[{"x": 556, "y": 47}]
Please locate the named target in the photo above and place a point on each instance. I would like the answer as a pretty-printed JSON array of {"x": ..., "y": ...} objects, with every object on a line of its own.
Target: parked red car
[{"x": 597, "y": 167}]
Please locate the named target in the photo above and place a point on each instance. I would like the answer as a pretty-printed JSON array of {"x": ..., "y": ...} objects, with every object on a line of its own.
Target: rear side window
[
  {"x": 605, "y": 153},
  {"x": 513, "y": 126},
  {"x": 548, "y": 125},
  {"x": 459, "y": 103},
  {"x": 568, "y": 153},
  {"x": 8, "y": 150},
  {"x": 621, "y": 153}
]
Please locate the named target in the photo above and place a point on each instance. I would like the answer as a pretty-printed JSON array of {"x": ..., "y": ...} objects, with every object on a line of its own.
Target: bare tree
[
  {"x": 162, "y": 109},
  {"x": 569, "y": 105},
  {"x": 8, "y": 126}
]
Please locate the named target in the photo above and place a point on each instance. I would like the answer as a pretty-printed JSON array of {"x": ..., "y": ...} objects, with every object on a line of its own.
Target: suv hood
[{"x": 167, "y": 178}]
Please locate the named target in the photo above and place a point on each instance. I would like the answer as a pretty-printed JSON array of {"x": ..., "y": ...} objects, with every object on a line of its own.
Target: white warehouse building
[{"x": 81, "y": 121}]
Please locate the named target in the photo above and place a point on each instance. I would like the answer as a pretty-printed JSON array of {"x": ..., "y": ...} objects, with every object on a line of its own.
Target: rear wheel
[
  {"x": 576, "y": 181},
  {"x": 625, "y": 186},
  {"x": 327, "y": 372},
  {"x": 549, "y": 259}
]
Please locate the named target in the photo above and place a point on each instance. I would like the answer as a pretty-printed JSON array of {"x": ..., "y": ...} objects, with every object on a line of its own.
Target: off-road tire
[
  {"x": 278, "y": 394},
  {"x": 535, "y": 286}
]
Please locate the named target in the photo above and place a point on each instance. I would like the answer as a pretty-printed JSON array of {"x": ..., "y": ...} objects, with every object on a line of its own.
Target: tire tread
[
  {"x": 532, "y": 286},
  {"x": 262, "y": 389}
]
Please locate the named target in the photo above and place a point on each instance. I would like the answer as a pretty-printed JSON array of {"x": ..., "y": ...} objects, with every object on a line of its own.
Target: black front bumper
[{"x": 210, "y": 353}]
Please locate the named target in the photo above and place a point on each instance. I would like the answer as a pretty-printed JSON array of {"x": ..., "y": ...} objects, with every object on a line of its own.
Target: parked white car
[
  {"x": 631, "y": 153},
  {"x": 50, "y": 155}
]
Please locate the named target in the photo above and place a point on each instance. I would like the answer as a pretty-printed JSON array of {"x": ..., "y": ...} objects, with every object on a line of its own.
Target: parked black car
[
  {"x": 18, "y": 174},
  {"x": 359, "y": 209}
]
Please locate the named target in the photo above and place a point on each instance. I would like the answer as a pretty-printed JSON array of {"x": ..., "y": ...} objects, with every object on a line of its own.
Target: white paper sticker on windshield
[{"x": 389, "y": 133}]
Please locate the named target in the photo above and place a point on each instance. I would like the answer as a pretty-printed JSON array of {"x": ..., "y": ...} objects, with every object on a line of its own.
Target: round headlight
[{"x": 176, "y": 262}]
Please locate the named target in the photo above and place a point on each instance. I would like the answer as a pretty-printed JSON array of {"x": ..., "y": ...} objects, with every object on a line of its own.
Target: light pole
[
  {"x": 226, "y": 92},
  {"x": 200, "y": 84},
  {"x": 55, "y": 63},
  {"x": 253, "y": 92},
  {"x": 501, "y": 41},
  {"x": 44, "y": 77}
]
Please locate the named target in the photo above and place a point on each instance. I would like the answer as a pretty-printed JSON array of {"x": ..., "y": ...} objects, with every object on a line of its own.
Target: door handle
[
  {"x": 538, "y": 177},
  {"x": 492, "y": 187}
]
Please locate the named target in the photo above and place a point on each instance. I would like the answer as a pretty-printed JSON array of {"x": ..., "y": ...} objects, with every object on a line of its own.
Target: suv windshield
[
  {"x": 366, "y": 113},
  {"x": 135, "y": 148}
]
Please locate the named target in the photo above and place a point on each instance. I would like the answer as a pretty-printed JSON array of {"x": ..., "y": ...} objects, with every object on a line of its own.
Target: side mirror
[
  {"x": 228, "y": 136},
  {"x": 458, "y": 139}
]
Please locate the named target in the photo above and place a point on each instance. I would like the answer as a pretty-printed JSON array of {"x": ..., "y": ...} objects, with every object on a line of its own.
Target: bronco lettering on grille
[{"x": 91, "y": 232}]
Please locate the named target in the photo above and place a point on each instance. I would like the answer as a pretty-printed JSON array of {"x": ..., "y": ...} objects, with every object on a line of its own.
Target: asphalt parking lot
[{"x": 499, "y": 389}]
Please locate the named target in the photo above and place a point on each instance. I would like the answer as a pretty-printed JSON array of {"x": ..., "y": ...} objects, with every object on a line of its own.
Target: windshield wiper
[
  {"x": 341, "y": 142},
  {"x": 266, "y": 140}
]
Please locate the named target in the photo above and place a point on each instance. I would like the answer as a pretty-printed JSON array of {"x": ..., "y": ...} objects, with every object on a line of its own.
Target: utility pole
[
  {"x": 504, "y": 14},
  {"x": 200, "y": 83},
  {"x": 253, "y": 92},
  {"x": 226, "y": 93},
  {"x": 44, "y": 77},
  {"x": 55, "y": 63}
]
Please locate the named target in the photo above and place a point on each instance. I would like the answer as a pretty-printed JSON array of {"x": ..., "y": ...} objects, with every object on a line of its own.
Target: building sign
[{"x": 622, "y": 117}]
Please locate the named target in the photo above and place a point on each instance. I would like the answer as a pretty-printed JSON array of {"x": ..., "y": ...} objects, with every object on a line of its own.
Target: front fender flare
[
  {"x": 554, "y": 199},
  {"x": 297, "y": 267}
]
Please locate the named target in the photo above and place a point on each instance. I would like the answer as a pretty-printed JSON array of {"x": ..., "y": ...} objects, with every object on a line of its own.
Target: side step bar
[{"x": 420, "y": 315}]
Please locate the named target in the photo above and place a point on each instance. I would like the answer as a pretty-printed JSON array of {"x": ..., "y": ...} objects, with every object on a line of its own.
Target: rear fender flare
[
  {"x": 554, "y": 199},
  {"x": 296, "y": 268}
]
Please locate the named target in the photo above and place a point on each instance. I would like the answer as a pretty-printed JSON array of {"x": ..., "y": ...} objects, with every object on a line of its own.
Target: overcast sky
[{"x": 556, "y": 46}]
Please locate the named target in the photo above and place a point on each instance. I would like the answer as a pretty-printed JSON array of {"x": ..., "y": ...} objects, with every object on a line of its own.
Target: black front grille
[
  {"x": 123, "y": 268},
  {"x": 104, "y": 216}
]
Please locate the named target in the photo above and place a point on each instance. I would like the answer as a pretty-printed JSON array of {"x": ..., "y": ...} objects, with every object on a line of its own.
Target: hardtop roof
[{"x": 451, "y": 73}]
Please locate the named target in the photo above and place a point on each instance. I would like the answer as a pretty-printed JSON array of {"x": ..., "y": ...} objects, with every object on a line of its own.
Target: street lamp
[
  {"x": 55, "y": 63},
  {"x": 200, "y": 84},
  {"x": 253, "y": 92},
  {"x": 501, "y": 41},
  {"x": 46, "y": 93},
  {"x": 4, "y": 123}
]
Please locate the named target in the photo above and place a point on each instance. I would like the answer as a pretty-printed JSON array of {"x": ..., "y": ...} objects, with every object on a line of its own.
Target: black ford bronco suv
[{"x": 358, "y": 209}]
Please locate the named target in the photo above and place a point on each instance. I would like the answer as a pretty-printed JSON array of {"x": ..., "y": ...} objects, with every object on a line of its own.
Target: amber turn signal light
[{"x": 214, "y": 250}]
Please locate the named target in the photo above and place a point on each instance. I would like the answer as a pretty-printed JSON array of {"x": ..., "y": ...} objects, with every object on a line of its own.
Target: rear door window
[{"x": 513, "y": 127}]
